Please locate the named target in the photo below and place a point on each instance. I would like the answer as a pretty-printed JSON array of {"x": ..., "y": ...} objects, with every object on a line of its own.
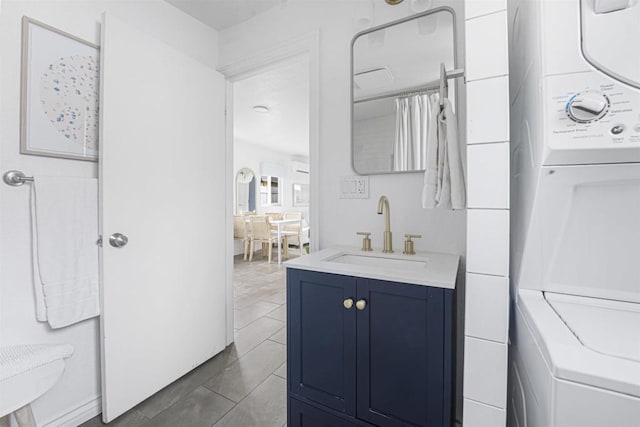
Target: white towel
[
  {"x": 444, "y": 185},
  {"x": 64, "y": 218},
  {"x": 17, "y": 359}
]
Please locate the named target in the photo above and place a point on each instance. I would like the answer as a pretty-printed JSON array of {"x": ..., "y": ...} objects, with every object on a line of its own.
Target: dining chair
[
  {"x": 240, "y": 233},
  {"x": 261, "y": 232},
  {"x": 294, "y": 231}
]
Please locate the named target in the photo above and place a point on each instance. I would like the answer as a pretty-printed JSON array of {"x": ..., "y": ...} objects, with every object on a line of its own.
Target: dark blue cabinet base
[
  {"x": 303, "y": 414},
  {"x": 389, "y": 364}
]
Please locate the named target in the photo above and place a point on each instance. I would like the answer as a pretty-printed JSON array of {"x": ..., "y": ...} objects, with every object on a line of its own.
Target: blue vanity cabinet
[
  {"x": 389, "y": 363},
  {"x": 404, "y": 355},
  {"x": 321, "y": 346}
]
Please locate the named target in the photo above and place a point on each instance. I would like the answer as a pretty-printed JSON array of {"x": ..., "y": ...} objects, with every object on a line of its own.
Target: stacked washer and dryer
[{"x": 575, "y": 196}]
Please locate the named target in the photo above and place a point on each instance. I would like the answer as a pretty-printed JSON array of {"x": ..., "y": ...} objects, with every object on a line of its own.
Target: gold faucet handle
[
  {"x": 408, "y": 244},
  {"x": 366, "y": 241}
]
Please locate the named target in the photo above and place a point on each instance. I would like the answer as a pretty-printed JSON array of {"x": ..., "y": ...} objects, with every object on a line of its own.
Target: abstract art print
[{"x": 60, "y": 93}]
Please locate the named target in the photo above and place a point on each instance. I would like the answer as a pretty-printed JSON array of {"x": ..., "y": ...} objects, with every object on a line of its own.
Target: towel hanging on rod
[{"x": 444, "y": 85}]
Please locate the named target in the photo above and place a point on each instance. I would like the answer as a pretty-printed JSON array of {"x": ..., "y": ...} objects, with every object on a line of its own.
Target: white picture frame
[
  {"x": 60, "y": 88},
  {"x": 301, "y": 194}
]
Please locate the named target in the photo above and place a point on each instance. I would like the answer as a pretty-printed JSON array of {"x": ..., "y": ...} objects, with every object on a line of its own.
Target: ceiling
[
  {"x": 221, "y": 14},
  {"x": 285, "y": 91}
]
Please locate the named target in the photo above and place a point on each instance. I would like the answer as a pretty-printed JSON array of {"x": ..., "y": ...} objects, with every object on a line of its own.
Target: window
[{"x": 269, "y": 191}]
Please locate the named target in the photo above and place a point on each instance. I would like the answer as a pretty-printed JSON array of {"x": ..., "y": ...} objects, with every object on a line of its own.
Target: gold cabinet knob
[
  {"x": 360, "y": 305},
  {"x": 348, "y": 303}
]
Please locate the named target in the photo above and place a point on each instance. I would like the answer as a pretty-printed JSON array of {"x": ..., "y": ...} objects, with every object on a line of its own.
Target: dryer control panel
[{"x": 590, "y": 119}]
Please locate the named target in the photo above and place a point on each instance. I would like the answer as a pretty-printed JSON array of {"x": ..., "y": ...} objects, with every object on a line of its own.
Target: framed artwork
[
  {"x": 301, "y": 195},
  {"x": 60, "y": 93}
]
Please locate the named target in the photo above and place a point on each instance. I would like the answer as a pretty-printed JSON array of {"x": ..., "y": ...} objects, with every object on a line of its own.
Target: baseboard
[{"x": 77, "y": 416}]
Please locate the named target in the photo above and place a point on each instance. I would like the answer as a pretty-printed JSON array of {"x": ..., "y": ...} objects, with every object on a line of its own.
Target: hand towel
[
  {"x": 444, "y": 185},
  {"x": 454, "y": 170},
  {"x": 65, "y": 251}
]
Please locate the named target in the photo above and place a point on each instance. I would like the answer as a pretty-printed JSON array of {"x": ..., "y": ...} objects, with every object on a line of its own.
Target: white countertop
[{"x": 430, "y": 269}]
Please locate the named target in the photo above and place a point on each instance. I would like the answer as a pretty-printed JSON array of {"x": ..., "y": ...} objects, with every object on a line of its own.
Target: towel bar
[{"x": 16, "y": 178}]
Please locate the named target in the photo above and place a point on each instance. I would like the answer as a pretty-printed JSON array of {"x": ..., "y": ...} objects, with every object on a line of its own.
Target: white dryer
[{"x": 575, "y": 320}]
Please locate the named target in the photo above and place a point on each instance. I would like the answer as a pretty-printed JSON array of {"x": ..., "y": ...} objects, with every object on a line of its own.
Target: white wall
[
  {"x": 80, "y": 384},
  {"x": 249, "y": 155},
  {"x": 341, "y": 218}
]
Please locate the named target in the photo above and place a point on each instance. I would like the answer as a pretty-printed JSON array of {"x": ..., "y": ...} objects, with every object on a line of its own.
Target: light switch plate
[{"x": 354, "y": 187}]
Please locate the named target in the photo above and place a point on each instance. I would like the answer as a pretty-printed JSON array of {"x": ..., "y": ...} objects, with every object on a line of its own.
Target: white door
[{"x": 162, "y": 177}]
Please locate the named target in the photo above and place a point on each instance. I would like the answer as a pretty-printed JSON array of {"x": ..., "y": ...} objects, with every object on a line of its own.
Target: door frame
[{"x": 251, "y": 65}]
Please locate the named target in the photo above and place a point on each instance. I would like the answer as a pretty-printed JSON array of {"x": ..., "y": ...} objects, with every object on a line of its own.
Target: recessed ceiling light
[{"x": 263, "y": 109}]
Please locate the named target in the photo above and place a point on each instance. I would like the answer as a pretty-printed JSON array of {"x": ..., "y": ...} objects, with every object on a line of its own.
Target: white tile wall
[
  {"x": 480, "y": 415},
  {"x": 487, "y": 106},
  {"x": 486, "y": 46},
  {"x": 485, "y": 376},
  {"x": 488, "y": 241},
  {"x": 487, "y": 307},
  {"x": 487, "y": 166}
]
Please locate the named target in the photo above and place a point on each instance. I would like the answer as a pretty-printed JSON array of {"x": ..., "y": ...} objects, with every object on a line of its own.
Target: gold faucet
[{"x": 388, "y": 244}]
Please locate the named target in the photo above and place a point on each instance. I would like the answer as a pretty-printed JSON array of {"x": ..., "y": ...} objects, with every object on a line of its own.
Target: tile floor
[{"x": 243, "y": 386}]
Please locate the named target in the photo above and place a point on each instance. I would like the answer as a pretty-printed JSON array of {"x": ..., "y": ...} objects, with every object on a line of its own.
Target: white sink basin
[
  {"x": 381, "y": 261},
  {"x": 424, "y": 268}
]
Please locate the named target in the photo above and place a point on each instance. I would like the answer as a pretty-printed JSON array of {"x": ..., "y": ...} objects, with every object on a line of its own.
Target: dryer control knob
[{"x": 587, "y": 107}]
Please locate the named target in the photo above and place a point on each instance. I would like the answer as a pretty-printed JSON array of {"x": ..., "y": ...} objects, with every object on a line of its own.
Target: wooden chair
[
  {"x": 240, "y": 232},
  {"x": 261, "y": 232}
]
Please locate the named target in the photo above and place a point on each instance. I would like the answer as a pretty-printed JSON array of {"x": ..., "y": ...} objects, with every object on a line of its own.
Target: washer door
[{"x": 611, "y": 38}]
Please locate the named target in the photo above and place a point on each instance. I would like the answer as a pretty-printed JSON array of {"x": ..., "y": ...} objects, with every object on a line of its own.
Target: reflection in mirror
[
  {"x": 245, "y": 191},
  {"x": 396, "y": 69}
]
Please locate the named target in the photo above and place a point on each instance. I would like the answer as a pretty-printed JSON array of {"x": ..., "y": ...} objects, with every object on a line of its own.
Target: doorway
[{"x": 271, "y": 171}]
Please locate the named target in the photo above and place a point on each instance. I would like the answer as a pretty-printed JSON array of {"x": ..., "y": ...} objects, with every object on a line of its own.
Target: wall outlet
[{"x": 354, "y": 187}]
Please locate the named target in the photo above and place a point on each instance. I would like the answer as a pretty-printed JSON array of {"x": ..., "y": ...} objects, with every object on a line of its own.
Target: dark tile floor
[{"x": 243, "y": 386}]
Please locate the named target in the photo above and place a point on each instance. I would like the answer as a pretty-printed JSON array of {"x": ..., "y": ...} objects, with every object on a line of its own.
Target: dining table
[{"x": 279, "y": 223}]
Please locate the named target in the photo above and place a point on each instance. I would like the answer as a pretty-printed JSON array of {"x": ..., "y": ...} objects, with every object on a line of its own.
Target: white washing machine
[{"x": 575, "y": 319}]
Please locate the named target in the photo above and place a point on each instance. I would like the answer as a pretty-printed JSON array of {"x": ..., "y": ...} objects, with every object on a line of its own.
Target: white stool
[{"x": 26, "y": 373}]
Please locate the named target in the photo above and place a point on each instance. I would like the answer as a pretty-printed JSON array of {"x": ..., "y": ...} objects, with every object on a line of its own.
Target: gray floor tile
[
  {"x": 201, "y": 408},
  {"x": 280, "y": 297},
  {"x": 279, "y": 313},
  {"x": 244, "y": 316},
  {"x": 177, "y": 390},
  {"x": 266, "y": 406},
  {"x": 240, "y": 378},
  {"x": 281, "y": 371},
  {"x": 132, "y": 418},
  {"x": 280, "y": 336},
  {"x": 254, "y": 333}
]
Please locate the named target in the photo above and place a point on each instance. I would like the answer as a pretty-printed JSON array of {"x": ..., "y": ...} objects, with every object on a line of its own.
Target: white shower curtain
[{"x": 413, "y": 114}]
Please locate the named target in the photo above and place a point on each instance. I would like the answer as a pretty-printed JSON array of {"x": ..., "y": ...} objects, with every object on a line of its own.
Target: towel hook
[
  {"x": 444, "y": 84},
  {"x": 16, "y": 178}
]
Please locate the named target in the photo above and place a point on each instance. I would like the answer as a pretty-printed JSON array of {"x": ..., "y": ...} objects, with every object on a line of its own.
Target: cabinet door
[
  {"x": 404, "y": 354},
  {"x": 303, "y": 415},
  {"x": 321, "y": 346}
]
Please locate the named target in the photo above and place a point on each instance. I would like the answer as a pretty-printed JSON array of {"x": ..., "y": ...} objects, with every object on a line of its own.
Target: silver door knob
[{"x": 118, "y": 240}]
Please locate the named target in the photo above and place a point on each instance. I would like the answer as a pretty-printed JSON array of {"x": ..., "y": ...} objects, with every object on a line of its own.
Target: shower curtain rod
[{"x": 434, "y": 85}]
